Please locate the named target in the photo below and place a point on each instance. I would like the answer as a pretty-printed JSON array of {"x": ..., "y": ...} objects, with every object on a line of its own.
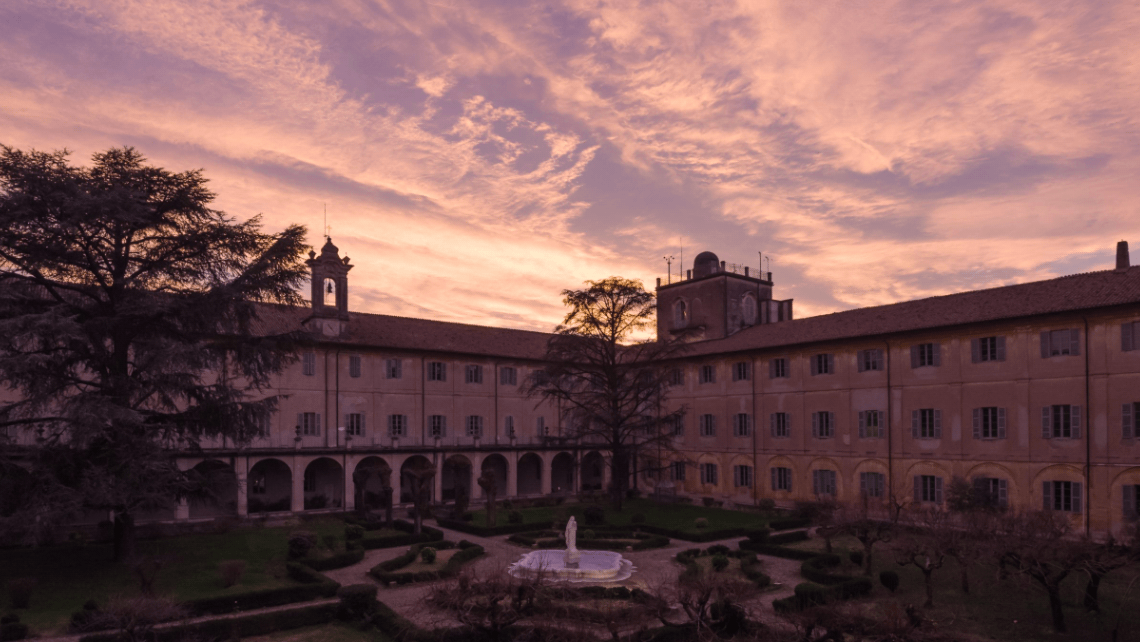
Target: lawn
[
  {"x": 331, "y": 632},
  {"x": 680, "y": 517},
  {"x": 67, "y": 576}
]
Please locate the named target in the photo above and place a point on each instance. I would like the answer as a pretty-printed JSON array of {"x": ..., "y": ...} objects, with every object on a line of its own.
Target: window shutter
[
  {"x": 1074, "y": 341},
  {"x": 1001, "y": 348},
  {"x": 913, "y": 357},
  {"x": 1045, "y": 344},
  {"x": 862, "y": 483},
  {"x": 789, "y": 489},
  {"x": 1077, "y": 497},
  {"x": 1126, "y": 421},
  {"x": 815, "y": 482},
  {"x": 937, "y": 490},
  {"x": 1046, "y": 419},
  {"x": 862, "y": 424},
  {"x": 1003, "y": 492},
  {"x": 975, "y": 350},
  {"x": 815, "y": 424},
  {"x": 914, "y": 424},
  {"x": 1047, "y": 495},
  {"x": 1001, "y": 423},
  {"x": 859, "y": 360},
  {"x": 977, "y": 423},
  {"x": 814, "y": 364},
  {"x": 937, "y": 354},
  {"x": 831, "y": 424},
  {"x": 1129, "y": 501},
  {"x": 773, "y": 471},
  {"x": 772, "y": 369},
  {"x": 318, "y": 423},
  {"x": 1076, "y": 421},
  {"x": 830, "y": 364},
  {"x": 772, "y": 423},
  {"x": 917, "y": 488},
  {"x": 300, "y": 422},
  {"x": 937, "y": 424},
  {"x": 1127, "y": 337}
]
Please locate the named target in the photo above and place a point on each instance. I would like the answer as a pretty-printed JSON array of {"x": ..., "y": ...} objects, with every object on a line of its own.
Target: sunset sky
[{"x": 476, "y": 158}]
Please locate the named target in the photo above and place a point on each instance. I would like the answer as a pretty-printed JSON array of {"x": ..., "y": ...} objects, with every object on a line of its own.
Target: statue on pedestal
[{"x": 572, "y": 554}]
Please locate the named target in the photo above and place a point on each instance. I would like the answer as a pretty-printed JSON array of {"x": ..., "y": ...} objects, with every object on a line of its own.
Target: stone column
[
  {"x": 476, "y": 471},
  {"x": 298, "y": 485},
  {"x": 242, "y": 486},
  {"x": 182, "y": 511},
  {"x": 438, "y": 482},
  {"x": 513, "y": 476},
  {"x": 546, "y": 473},
  {"x": 349, "y": 489}
]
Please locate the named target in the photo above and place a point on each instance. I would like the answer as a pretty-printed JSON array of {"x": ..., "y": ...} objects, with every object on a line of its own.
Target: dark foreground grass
[
  {"x": 680, "y": 517},
  {"x": 68, "y": 576},
  {"x": 331, "y": 632}
]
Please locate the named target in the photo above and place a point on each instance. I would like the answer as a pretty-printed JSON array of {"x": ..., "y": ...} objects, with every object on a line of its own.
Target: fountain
[{"x": 573, "y": 565}]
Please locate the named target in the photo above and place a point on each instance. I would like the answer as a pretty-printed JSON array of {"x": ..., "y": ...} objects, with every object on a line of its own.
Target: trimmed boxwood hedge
[
  {"x": 772, "y": 546},
  {"x": 483, "y": 531},
  {"x": 354, "y": 555},
  {"x": 748, "y": 563},
  {"x": 406, "y": 538},
  {"x": 244, "y": 625},
  {"x": 788, "y": 523},
  {"x": 607, "y": 540},
  {"x": 704, "y": 536},
  {"x": 388, "y": 572}
]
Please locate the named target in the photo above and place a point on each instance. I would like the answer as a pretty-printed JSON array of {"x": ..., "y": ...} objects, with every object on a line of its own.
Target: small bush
[
  {"x": 759, "y": 535},
  {"x": 514, "y": 517},
  {"x": 356, "y": 601},
  {"x": 20, "y": 592},
  {"x": 811, "y": 594},
  {"x": 467, "y": 517},
  {"x": 594, "y": 515},
  {"x": 766, "y": 504},
  {"x": 632, "y": 493},
  {"x": 889, "y": 579},
  {"x": 427, "y": 554},
  {"x": 637, "y": 518},
  {"x": 464, "y": 545},
  {"x": 701, "y": 523},
  {"x": 508, "y": 504},
  {"x": 719, "y": 562},
  {"x": 856, "y": 557},
  {"x": 231, "y": 572},
  {"x": 588, "y": 534},
  {"x": 300, "y": 543},
  {"x": 558, "y": 501},
  {"x": 718, "y": 549},
  {"x": 330, "y": 541},
  {"x": 353, "y": 532},
  {"x": 708, "y": 501}
]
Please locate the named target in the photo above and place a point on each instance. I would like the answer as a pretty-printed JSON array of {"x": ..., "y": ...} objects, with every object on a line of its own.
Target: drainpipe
[
  {"x": 890, "y": 425},
  {"x": 755, "y": 437},
  {"x": 344, "y": 452},
  {"x": 1088, "y": 435}
]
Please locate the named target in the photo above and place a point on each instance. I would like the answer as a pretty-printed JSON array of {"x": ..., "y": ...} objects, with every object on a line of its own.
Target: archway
[
  {"x": 324, "y": 484},
  {"x": 270, "y": 487},
  {"x": 562, "y": 474},
  {"x": 497, "y": 464},
  {"x": 371, "y": 477},
  {"x": 593, "y": 470},
  {"x": 406, "y": 477},
  {"x": 530, "y": 474},
  {"x": 218, "y": 490},
  {"x": 456, "y": 478}
]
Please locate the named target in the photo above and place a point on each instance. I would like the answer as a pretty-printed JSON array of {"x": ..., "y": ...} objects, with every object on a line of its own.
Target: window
[
  {"x": 437, "y": 424},
  {"x": 508, "y": 376},
  {"x": 741, "y": 371},
  {"x": 509, "y": 426},
  {"x": 310, "y": 423},
  {"x": 778, "y": 368},
  {"x": 989, "y": 423},
  {"x": 680, "y": 314},
  {"x": 1061, "y": 496},
  {"x": 822, "y": 364},
  {"x": 872, "y": 424},
  {"x": 1131, "y": 507},
  {"x": 926, "y": 423},
  {"x": 1130, "y": 336},
  {"x": 991, "y": 491},
  {"x": 823, "y": 424},
  {"x": 781, "y": 479},
  {"x": 677, "y": 377},
  {"x": 1061, "y": 422},
  {"x": 869, "y": 360},
  {"x": 1130, "y": 420},
  {"x": 742, "y": 476},
  {"x": 310, "y": 482},
  {"x": 474, "y": 426},
  {"x": 872, "y": 484},
  {"x": 749, "y": 309},
  {"x": 309, "y": 364},
  {"x": 781, "y": 424},
  {"x": 678, "y": 471},
  {"x": 741, "y": 425},
  {"x": 708, "y": 474},
  {"x": 707, "y": 375},
  {"x": 354, "y": 366},
  {"x": 823, "y": 482},
  {"x": 540, "y": 426},
  {"x": 1060, "y": 342},
  {"x": 257, "y": 485},
  {"x": 708, "y": 425},
  {"x": 678, "y": 426},
  {"x": 473, "y": 374},
  {"x": 987, "y": 349},
  {"x": 354, "y": 424},
  {"x": 393, "y": 368},
  {"x": 437, "y": 371},
  {"x": 928, "y": 488},
  {"x": 925, "y": 354},
  {"x": 397, "y": 425}
]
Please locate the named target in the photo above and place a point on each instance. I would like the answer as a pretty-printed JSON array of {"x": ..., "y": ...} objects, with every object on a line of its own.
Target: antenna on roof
[
  {"x": 328, "y": 230},
  {"x": 669, "y": 268},
  {"x": 681, "y": 242}
]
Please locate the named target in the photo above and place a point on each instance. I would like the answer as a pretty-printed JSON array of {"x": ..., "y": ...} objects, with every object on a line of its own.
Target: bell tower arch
[{"x": 329, "y": 297}]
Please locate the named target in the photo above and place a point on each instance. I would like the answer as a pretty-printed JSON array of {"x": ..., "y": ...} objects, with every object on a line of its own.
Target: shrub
[
  {"x": 707, "y": 501},
  {"x": 856, "y": 557},
  {"x": 766, "y": 504},
  {"x": 231, "y": 571},
  {"x": 20, "y": 591},
  {"x": 637, "y": 518},
  {"x": 427, "y": 554},
  {"x": 759, "y": 535},
  {"x": 300, "y": 543},
  {"x": 357, "y": 601},
  {"x": 718, "y": 549},
  {"x": 889, "y": 579},
  {"x": 811, "y": 594},
  {"x": 508, "y": 504},
  {"x": 467, "y": 517},
  {"x": 594, "y": 515},
  {"x": 316, "y": 501},
  {"x": 719, "y": 562},
  {"x": 514, "y": 517},
  {"x": 632, "y": 493},
  {"x": 701, "y": 522},
  {"x": 588, "y": 534},
  {"x": 353, "y": 532},
  {"x": 464, "y": 544},
  {"x": 13, "y": 631},
  {"x": 330, "y": 541}
]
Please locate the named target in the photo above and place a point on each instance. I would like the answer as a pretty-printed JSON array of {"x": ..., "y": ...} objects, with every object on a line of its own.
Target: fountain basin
[{"x": 593, "y": 566}]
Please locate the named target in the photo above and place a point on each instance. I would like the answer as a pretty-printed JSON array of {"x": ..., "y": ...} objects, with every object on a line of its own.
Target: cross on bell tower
[{"x": 329, "y": 275}]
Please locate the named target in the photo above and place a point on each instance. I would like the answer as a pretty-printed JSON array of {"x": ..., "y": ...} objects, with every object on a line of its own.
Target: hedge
[
  {"x": 313, "y": 586},
  {"x": 704, "y": 536},
  {"x": 748, "y": 563},
  {"x": 773, "y": 546},
  {"x": 644, "y": 541},
  {"x": 788, "y": 523},
  {"x": 386, "y": 572},
  {"x": 408, "y": 538},
  {"x": 338, "y": 560},
  {"x": 244, "y": 625},
  {"x": 483, "y": 531},
  {"x": 809, "y": 594}
]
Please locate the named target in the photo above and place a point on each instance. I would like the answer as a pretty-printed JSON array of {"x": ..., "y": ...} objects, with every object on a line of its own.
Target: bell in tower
[{"x": 329, "y": 276}]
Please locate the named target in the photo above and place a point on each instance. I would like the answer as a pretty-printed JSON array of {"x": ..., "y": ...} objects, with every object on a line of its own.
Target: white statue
[{"x": 572, "y": 555}]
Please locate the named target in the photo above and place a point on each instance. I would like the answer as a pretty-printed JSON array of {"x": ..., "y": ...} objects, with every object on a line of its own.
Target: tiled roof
[
  {"x": 403, "y": 333},
  {"x": 1064, "y": 294}
]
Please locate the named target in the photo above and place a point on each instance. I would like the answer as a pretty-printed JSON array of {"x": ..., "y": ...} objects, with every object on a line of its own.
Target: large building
[{"x": 1031, "y": 392}]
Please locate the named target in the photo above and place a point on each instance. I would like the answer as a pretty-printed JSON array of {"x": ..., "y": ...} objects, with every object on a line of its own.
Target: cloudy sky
[{"x": 478, "y": 157}]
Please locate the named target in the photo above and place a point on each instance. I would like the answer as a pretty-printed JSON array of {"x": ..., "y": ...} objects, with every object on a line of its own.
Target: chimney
[
  {"x": 722, "y": 266},
  {"x": 1122, "y": 256}
]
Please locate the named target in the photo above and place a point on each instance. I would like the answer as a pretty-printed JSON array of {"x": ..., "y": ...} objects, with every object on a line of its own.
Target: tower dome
[{"x": 705, "y": 264}]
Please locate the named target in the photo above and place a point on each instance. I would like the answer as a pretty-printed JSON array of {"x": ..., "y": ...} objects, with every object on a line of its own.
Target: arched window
[
  {"x": 680, "y": 314},
  {"x": 748, "y": 308},
  {"x": 330, "y": 292}
]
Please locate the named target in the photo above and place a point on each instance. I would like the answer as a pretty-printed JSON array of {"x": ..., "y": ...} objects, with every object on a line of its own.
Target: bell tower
[{"x": 329, "y": 276}]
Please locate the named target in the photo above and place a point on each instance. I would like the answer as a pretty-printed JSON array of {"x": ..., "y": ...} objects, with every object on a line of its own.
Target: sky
[{"x": 476, "y": 158}]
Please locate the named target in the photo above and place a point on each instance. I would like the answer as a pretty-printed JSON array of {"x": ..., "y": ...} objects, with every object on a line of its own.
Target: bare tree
[
  {"x": 135, "y": 618},
  {"x": 869, "y": 522},
  {"x": 487, "y": 482},
  {"x": 492, "y": 602},
  {"x": 1102, "y": 559},
  {"x": 925, "y": 546},
  {"x": 1040, "y": 545},
  {"x": 420, "y": 476}
]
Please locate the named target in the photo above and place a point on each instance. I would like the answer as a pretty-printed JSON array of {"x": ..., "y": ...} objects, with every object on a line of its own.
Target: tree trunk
[
  {"x": 1057, "y": 608},
  {"x": 124, "y": 535},
  {"x": 1092, "y": 592},
  {"x": 928, "y": 575}
]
